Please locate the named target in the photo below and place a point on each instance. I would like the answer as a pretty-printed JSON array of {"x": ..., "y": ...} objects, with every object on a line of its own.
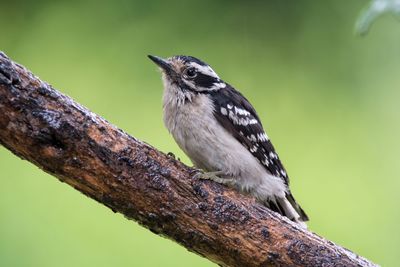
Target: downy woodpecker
[{"x": 219, "y": 130}]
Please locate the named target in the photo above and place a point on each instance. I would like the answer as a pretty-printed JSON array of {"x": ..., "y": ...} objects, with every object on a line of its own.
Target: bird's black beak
[{"x": 162, "y": 63}]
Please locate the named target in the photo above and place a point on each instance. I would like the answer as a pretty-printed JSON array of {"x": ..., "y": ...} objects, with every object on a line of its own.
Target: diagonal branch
[{"x": 39, "y": 124}]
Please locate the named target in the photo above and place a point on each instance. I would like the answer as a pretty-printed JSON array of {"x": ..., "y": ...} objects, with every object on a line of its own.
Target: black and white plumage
[{"x": 220, "y": 131}]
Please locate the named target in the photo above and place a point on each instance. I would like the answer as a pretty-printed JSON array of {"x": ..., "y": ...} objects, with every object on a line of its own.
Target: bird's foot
[{"x": 213, "y": 176}]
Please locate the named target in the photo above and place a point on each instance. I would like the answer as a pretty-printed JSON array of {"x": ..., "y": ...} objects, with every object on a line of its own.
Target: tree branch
[{"x": 39, "y": 124}]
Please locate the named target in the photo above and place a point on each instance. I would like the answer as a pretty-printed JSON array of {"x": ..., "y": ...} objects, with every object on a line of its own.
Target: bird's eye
[{"x": 190, "y": 73}]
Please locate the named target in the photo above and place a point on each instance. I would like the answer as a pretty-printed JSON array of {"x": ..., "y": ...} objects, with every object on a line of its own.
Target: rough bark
[{"x": 49, "y": 129}]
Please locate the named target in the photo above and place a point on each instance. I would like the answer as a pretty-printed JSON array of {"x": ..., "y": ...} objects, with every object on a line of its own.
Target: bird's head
[{"x": 188, "y": 74}]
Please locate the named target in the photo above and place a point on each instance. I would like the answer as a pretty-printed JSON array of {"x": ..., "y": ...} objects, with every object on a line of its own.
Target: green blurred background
[{"x": 330, "y": 101}]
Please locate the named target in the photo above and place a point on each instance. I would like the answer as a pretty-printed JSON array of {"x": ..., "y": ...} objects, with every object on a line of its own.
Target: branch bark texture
[{"x": 49, "y": 129}]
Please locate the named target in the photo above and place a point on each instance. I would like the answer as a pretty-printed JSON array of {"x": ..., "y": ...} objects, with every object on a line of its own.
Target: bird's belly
[
  {"x": 201, "y": 144},
  {"x": 212, "y": 148}
]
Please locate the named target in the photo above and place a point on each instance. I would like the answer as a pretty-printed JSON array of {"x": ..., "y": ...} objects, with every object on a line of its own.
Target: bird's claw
[{"x": 213, "y": 176}]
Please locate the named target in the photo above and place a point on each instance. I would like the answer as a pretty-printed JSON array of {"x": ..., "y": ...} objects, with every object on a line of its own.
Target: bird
[{"x": 221, "y": 133}]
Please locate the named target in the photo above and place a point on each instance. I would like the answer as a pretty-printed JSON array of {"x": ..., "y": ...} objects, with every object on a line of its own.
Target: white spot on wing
[
  {"x": 253, "y": 149},
  {"x": 224, "y": 111},
  {"x": 253, "y": 121},
  {"x": 233, "y": 117},
  {"x": 265, "y": 162},
  {"x": 241, "y": 111},
  {"x": 243, "y": 121},
  {"x": 273, "y": 155},
  {"x": 262, "y": 137}
]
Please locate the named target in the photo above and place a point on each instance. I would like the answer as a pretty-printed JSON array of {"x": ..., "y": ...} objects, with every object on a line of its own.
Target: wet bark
[{"x": 49, "y": 129}]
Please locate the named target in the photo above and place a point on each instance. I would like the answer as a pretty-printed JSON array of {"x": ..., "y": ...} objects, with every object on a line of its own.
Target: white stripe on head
[
  {"x": 206, "y": 70},
  {"x": 216, "y": 86}
]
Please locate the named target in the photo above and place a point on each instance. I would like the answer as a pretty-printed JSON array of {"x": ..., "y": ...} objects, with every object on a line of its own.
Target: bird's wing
[{"x": 238, "y": 117}]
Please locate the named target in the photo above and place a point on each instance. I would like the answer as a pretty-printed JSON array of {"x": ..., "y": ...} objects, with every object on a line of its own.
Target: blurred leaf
[{"x": 376, "y": 9}]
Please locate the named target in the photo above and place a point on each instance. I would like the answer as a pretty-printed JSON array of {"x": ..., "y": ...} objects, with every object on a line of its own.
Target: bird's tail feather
[
  {"x": 303, "y": 216},
  {"x": 288, "y": 207}
]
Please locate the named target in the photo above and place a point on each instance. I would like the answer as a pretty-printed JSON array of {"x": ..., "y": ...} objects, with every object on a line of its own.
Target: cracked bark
[{"x": 49, "y": 129}]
